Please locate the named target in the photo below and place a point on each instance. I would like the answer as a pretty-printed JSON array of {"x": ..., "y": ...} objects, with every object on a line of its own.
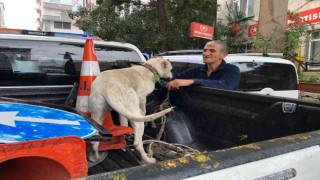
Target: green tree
[
  {"x": 266, "y": 43},
  {"x": 232, "y": 31},
  {"x": 292, "y": 37},
  {"x": 158, "y": 25},
  {"x": 180, "y": 14}
]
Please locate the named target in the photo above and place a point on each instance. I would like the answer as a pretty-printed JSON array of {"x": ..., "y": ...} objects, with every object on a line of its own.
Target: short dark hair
[{"x": 223, "y": 45}]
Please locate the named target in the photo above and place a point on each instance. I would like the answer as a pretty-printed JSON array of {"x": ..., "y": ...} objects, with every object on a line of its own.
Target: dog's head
[{"x": 163, "y": 66}]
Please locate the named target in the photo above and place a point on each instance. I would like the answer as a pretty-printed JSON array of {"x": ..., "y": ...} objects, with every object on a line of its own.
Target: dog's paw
[
  {"x": 93, "y": 157},
  {"x": 149, "y": 160}
]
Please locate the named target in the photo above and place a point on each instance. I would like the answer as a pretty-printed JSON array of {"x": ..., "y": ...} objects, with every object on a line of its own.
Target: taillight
[{"x": 299, "y": 87}]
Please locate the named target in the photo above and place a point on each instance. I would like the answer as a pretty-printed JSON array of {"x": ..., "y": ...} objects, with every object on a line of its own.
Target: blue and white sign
[{"x": 23, "y": 122}]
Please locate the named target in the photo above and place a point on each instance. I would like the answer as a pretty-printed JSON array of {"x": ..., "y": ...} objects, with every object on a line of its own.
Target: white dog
[{"x": 125, "y": 91}]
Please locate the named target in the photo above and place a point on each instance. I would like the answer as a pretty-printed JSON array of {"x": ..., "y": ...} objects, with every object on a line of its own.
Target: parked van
[{"x": 263, "y": 75}]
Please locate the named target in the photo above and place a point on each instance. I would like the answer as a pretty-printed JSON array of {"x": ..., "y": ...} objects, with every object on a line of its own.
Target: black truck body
[
  {"x": 230, "y": 128},
  {"x": 239, "y": 134}
]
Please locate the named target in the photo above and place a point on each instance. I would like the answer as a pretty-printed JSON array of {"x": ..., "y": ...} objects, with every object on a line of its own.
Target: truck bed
[
  {"x": 230, "y": 129},
  {"x": 115, "y": 160}
]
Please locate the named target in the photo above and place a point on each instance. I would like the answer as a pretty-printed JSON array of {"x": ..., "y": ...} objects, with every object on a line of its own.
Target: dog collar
[
  {"x": 152, "y": 69},
  {"x": 156, "y": 74}
]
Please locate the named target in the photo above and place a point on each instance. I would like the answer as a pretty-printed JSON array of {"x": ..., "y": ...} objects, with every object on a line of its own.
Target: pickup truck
[
  {"x": 238, "y": 135},
  {"x": 242, "y": 135}
]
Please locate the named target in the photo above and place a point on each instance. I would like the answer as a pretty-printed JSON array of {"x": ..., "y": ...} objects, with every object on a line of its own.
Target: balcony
[
  {"x": 56, "y": 18},
  {"x": 57, "y": 6}
]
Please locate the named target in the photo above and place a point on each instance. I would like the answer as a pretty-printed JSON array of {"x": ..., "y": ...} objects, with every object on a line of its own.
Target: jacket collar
[{"x": 221, "y": 66}]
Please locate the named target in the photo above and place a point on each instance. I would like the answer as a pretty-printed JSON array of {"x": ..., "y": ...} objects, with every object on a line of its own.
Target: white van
[
  {"x": 263, "y": 75},
  {"x": 31, "y": 66}
]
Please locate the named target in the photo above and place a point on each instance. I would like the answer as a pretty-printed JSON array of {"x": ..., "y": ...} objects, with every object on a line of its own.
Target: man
[{"x": 215, "y": 73}]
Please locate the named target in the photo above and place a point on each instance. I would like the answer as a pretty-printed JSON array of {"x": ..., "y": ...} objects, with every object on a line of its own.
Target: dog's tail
[
  {"x": 126, "y": 102},
  {"x": 147, "y": 118}
]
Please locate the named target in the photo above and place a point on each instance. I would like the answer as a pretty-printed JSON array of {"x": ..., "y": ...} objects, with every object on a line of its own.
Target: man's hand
[{"x": 175, "y": 84}]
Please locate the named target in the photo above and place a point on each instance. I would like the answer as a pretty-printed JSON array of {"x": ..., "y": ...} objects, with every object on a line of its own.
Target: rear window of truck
[
  {"x": 30, "y": 63},
  {"x": 256, "y": 76}
]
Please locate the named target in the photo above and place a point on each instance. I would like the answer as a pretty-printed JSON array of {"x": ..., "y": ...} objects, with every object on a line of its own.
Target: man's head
[{"x": 214, "y": 52}]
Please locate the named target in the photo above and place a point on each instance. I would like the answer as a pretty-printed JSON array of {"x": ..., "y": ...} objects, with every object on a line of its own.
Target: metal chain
[
  {"x": 169, "y": 150},
  {"x": 164, "y": 105}
]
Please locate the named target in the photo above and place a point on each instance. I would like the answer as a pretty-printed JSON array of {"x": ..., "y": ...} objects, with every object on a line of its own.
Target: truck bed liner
[{"x": 115, "y": 160}]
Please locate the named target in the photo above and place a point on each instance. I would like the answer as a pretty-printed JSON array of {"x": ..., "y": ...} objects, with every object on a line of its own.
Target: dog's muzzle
[{"x": 164, "y": 81}]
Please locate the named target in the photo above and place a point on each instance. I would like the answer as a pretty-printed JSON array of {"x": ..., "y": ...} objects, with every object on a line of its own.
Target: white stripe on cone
[{"x": 90, "y": 68}]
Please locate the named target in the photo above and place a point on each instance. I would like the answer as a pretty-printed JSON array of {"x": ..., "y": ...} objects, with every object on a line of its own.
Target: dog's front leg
[
  {"x": 99, "y": 108},
  {"x": 138, "y": 133}
]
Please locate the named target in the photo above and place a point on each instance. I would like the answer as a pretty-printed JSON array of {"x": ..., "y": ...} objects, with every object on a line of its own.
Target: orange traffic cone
[{"x": 89, "y": 71}]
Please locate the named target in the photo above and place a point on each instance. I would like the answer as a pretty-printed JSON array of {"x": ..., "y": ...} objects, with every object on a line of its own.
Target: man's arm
[
  {"x": 187, "y": 74},
  {"x": 175, "y": 84},
  {"x": 184, "y": 78},
  {"x": 229, "y": 81}
]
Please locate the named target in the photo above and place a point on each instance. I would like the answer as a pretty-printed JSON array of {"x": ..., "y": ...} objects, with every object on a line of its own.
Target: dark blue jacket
[{"x": 226, "y": 76}]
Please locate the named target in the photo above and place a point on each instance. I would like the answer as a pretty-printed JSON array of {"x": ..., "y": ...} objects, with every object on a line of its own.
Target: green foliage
[
  {"x": 234, "y": 38},
  {"x": 180, "y": 14},
  {"x": 313, "y": 78},
  {"x": 293, "y": 40},
  {"x": 265, "y": 43},
  {"x": 137, "y": 23}
]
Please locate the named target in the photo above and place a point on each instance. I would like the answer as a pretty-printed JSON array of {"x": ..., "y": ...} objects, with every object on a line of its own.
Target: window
[
  {"x": 259, "y": 75},
  {"x": 35, "y": 63},
  {"x": 244, "y": 6},
  {"x": 68, "y": 2},
  {"x": 77, "y": 5},
  {"x": 62, "y": 25},
  {"x": 315, "y": 50}
]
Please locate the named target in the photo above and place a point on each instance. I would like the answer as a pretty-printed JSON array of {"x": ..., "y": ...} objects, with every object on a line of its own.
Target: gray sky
[{"x": 20, "y": 14}]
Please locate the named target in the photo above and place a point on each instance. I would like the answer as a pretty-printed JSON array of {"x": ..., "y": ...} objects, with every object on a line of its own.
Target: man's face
[{"x": 211, "y": 54}]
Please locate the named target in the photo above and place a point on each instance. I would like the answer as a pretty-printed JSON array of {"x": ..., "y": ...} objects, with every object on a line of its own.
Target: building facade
[
  {"x": 309, "y": 12},
  {"x": 2, "y": 25},
  {"x": 53, "y": 15},
  {"x": 250, "y": 9},
  {"x": 257, "y": 14}
]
